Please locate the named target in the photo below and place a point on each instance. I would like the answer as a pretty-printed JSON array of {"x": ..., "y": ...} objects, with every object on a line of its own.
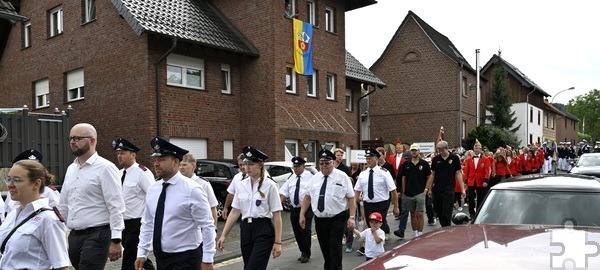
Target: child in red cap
[{"x": 374, "y": 236}]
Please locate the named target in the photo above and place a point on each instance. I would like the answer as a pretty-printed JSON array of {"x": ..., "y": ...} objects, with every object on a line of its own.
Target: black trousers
[
  {"x": 480, "y": 192},
  {"x": 381, "y": 208},
  {"x": 256, "y": 241},
  {"x": 131, "y": 238},
  {"x": 443, "y": 203},
  {"x": 186, "y": 260},
  {"x": 302, "y": 236},
  {"x": 329, "y": 233},
  {"x": 88, "y": 248},
  {"x": 429, "y": 208}
]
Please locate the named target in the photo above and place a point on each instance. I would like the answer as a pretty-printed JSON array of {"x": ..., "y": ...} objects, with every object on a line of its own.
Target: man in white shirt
[
  {"x": 91, "y": 203},
  {"x": 231, "y": 189},
  {"x": 136, "y": 179},
  {"x": 176, "y": 206}
]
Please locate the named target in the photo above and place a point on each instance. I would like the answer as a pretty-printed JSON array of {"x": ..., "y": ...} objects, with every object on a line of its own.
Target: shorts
[{"x": 415, "y": 203}]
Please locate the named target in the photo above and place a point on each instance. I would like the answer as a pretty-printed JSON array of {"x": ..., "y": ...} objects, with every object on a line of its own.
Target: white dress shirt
[
  {"x": 236, "y": 179},
  {"x": 52, "y": 194},
  {"x": 372, "y": 249},
  {"x": 91, "y": 196},
  {"x": 208, "y": 190},
  {"x": 247, "y": 197},
  {"x": 40, "y": 243},
  {"x": 137, "y": 181},
  {"x": 337, "y": 193},
  {"x": 288, "y": 189},
  {"x": 383, "y": 184},
  {"x": 186, "y": 210}
]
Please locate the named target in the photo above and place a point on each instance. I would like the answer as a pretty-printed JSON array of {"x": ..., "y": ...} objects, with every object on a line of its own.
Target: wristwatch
[{"x": 116, "y": 240}]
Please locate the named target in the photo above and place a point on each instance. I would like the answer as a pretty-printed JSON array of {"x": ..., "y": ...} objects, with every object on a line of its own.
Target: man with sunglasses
[{"x": 91, "y": 203}]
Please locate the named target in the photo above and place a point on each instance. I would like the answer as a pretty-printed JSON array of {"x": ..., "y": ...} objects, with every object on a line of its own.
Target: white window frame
[
  {"x": 330, "y": 19},
  {"x": 42, "y": 93},
  {"x": 89, "y": 9},
  {"x": 311, "y": 84},
  {"x": 56, "y": 21},
  {"x": 27, "y": 35},
  {"x": 227, "y": 149},
  {"x": 348, "y": 100},
  {"x": 226, "y": 78},
  {"x": 186, "y": 63},
  {"x": 310, "y": 12},
  {"x": 289, "y": 153},
  {"x": 330, "y": 86},
  {"x": 75, "y": 85},
  {"x": 290, "y": 74},
  {"x": 464, "y": 129}
]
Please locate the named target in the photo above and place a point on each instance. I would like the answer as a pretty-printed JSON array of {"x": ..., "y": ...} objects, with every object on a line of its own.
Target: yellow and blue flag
[{"x": 303, "y": 32}]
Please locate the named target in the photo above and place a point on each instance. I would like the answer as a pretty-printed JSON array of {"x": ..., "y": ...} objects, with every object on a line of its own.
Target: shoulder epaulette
[
  {"x": 52, "y": 187},
  {"x": 60, "y": 217},
  {"x": 143, "y": 167},
  {"x": 383, "y": 169}
]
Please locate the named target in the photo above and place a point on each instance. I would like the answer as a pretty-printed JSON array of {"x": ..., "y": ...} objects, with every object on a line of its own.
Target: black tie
[
  {"x": 123, "y": 177},
  {"x": 370, "y": 188},
  {"x": 297, "y": 192},
  {"x": 321, "y": 204},
  {"x": 158, "y": 219}
]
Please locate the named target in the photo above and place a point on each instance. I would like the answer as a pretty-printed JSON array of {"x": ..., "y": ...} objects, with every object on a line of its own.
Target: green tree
[
  {"x": 500, "y": 114},
  {"x": 492, "y": 137},
  {"x": 587, "y": 107}
]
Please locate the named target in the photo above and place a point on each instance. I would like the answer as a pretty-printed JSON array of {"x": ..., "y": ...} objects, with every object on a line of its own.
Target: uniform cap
[
  {"x": 371, "y": 152},
  {"x": 376, "y": 216},
  {"x": 325, "y": 154},
  {"x": 298, "y": 161},
  {"x": 164, "y": 148},
  {"x": 477, "y": 144},
  {"x": 252, "y": 154},
  {"x": 123, "y": 144},
  {"x": 29, "y": 154},
  {"x": 414, "y": 146}
]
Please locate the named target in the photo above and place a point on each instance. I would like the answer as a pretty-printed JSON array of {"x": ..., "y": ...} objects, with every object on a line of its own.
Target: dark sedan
[{"x": 219, "y": 174}]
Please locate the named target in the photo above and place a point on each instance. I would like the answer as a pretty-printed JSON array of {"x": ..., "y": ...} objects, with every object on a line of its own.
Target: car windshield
[
  {"x": 589, "y": 161},
  {"x": 539, "y": 207}
]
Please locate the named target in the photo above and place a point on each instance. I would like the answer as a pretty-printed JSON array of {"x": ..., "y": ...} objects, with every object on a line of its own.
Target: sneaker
[
  {"x": 431, "y": 223},
  {"x": 344, "y": 241},
  {"x": 361, "y": 251},
  {"x": 348, "y": 250},
  {"x": 399, "y": 233},
  {"x": 460, "y": 209}
]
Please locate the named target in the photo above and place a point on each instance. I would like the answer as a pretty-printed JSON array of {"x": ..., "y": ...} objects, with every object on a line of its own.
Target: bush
[{"x": 492, "y": 137}]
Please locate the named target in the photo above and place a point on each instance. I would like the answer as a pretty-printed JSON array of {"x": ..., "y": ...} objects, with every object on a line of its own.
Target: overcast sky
[{"x": 554, "y": 43}]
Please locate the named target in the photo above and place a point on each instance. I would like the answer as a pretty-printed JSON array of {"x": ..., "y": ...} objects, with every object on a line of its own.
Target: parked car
[
  {"x": 530, "y": 219},
  {"x": 280, "y": 171},
  {"x": 219, "y": 174},
  {"x": 587, "y": 164}
]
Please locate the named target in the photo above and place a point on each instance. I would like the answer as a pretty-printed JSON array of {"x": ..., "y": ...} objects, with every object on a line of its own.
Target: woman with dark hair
[
  {"x": 500, "y": 169},
  {"x": 33, "y": 236},
  {"x": 257, "y": 200}
]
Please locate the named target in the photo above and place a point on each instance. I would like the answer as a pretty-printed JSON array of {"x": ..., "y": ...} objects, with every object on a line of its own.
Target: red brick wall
[{"x": 422, "y": 92}]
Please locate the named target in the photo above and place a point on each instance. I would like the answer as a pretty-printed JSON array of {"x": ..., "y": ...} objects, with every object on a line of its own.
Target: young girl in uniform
[{"x": 257, "y": 200}]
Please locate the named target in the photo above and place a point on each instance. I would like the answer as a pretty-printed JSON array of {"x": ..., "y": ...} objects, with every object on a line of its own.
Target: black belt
[
  {"x": 161, "y": 255},
  {"x": 251, "y": 220},
  {"x": 90, "y": 229}
]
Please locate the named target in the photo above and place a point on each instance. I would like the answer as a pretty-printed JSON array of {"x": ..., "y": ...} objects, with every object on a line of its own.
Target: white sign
[
  {"x": 426, "y": 147},
  {"x": 358, "y": 156}
]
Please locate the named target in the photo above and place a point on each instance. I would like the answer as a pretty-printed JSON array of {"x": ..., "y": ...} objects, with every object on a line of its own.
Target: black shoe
[
  {"x": 399, "y": 233},
  {"x": 361, "y": 251},
  {"x": 304, "y": 259},
  {"x": 300, "y": 259}
]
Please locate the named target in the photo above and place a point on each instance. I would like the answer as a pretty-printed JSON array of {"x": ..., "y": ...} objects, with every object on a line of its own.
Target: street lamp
[{"x": 570, "y": 88}]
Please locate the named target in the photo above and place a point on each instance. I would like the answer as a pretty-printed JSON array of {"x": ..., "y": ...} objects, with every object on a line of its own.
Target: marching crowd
[{"x": 105, "y": 213}]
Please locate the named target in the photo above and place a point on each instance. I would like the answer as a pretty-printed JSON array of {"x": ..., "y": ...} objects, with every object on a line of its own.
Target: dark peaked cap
[
  {"x": 164, "y": 148},
  {"x": 29, "y": 154},
  {"x": 122, "y": 144}
]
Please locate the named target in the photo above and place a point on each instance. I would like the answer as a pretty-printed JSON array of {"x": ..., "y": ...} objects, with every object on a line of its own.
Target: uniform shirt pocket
[{"x": 22, "y": 239}]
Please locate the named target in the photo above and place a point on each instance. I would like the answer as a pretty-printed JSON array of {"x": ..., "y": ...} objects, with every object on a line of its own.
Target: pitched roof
[
  {"x": 354, "y": 4},
  {"x": 192, "y": 20},
  {"x": 561, "y": 108},
  {"x": 443, "y": 44},
  {"x": 8, "y": 12},
  {"x": 356, "y": 71},
  {"x": 515, "y": 72}
]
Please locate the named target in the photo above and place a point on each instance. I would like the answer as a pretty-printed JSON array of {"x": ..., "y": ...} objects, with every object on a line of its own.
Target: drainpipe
[
  {"x": 158, "y": 102},
  {"x": 358, "y": 111},
  {"x": 460, "y": 120},
  {"x": 478, "y": 93}
]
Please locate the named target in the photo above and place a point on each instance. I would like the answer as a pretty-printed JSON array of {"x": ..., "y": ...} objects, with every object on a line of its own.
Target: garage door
[{"x": 197, "y": 147}]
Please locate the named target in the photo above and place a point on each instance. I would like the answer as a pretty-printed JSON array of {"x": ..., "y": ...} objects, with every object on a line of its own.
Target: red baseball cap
[{"x": 376, "y": 216}]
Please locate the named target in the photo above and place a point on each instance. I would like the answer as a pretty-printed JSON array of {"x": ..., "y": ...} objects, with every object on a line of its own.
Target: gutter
[{"x": 158, "y": 101}]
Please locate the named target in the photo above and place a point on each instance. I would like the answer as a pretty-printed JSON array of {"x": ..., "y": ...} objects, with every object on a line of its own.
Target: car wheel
[{"x": 287, "y": 205}]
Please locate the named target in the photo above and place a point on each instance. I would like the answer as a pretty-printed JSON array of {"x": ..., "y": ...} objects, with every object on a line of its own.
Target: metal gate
[{"x": 21, "y": 129}]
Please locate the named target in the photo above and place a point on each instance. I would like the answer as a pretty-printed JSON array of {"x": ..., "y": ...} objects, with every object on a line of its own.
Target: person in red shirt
[
  {"x": 513, "y": 162},
  {"x": 500, "y": 168},
  {"x": 526, "y": 161},
  {"x": 478, "y": 172}
]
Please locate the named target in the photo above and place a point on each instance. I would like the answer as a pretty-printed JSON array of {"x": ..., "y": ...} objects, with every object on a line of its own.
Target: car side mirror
[{"x": 460, "y": 218}]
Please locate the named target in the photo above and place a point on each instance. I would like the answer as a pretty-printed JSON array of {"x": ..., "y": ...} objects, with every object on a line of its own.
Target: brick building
[
  {"x": 429, "y": 85},
  {"x": 211, "y": 76},
  {"x": 567, "y": 125}
]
